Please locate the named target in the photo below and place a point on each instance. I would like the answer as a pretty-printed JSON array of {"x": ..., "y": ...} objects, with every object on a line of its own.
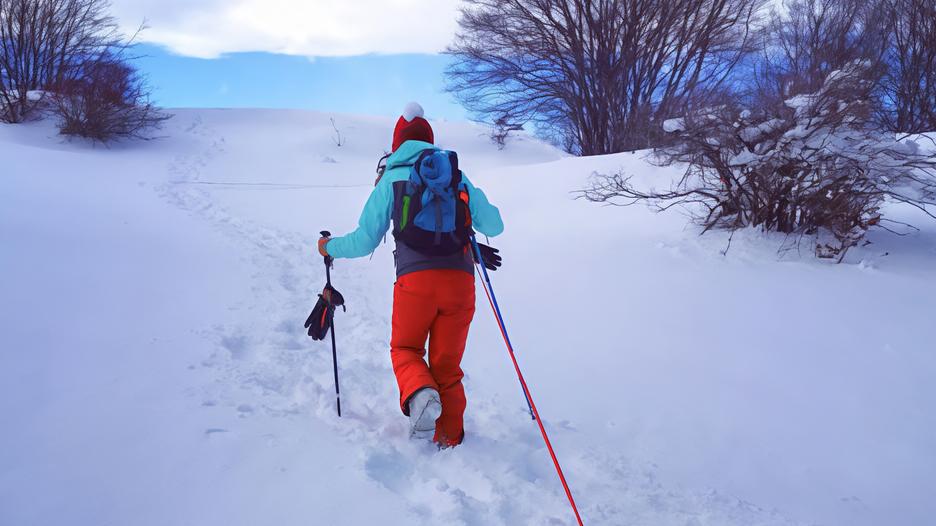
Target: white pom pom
[{"x": 413, "y": 110}]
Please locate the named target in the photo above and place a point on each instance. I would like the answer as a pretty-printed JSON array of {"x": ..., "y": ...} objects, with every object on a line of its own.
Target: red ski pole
[{"x": 492, "y": 299}]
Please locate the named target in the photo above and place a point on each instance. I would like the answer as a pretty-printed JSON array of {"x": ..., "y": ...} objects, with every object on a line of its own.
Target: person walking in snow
[{"x": 433, "y": 208}]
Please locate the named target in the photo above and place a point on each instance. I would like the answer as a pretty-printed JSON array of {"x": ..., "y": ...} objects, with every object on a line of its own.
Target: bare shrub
[
  {"x": 41, "y": 42},
  {"x": 337, "y": 138},
  {"x": 106, "y": 101},
  {"x": 812, "y": 165},
  {"x": 501, "y": 130},
  {"x": 595, "y": 76}
]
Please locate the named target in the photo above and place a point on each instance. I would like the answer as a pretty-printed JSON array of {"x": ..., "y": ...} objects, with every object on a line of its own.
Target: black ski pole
[{"x": 328, "y": 263}]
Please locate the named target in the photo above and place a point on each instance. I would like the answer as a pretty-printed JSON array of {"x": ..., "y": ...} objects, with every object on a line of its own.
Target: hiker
[{"x": 434, "y": 209}]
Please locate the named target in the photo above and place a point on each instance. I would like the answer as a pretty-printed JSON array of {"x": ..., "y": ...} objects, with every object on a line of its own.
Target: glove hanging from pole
[{"x": 322, "y": 315}]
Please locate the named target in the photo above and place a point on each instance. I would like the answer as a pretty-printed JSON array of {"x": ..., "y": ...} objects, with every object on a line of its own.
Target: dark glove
[
  {"x": 490, "y": 257},
  {"x": 324, "y": 312}
]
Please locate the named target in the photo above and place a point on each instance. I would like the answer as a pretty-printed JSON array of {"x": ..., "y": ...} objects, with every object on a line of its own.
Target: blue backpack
[{"x": 430, "y": 212}]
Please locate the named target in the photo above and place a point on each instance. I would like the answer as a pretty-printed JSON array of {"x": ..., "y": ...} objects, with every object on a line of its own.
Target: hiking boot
[
  {"x": 424, "y": 409},
  {"x": 443, "y": 442}
]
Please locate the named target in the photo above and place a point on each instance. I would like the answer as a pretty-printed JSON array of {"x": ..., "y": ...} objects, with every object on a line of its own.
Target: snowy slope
[{"x": 154, "y": 371}]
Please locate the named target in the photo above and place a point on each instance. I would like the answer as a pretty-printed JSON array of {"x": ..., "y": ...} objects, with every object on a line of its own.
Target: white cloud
[{"x": 208, "y": 28}]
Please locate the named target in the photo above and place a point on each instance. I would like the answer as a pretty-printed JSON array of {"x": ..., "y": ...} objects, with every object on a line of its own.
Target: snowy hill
[{"x": 154, "y": 370}]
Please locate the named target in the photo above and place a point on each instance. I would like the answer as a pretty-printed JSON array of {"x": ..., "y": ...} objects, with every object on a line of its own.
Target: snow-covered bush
[
  {"x": 108, "y": 101},
  {"x": 812, "y": 165}
]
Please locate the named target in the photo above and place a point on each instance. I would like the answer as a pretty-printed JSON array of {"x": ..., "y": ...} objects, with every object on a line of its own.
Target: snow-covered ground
[{"x": 154, "y": 369}]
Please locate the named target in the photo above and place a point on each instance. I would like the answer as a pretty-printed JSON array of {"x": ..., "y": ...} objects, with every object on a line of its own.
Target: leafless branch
[{"x": 596, "y": 76}]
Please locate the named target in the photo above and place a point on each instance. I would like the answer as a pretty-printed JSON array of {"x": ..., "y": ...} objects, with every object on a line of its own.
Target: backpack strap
[
  {"x": 456, "y": 173},
  {"x": 381, "y": 168},
  {"x": 463, "y": 207}
]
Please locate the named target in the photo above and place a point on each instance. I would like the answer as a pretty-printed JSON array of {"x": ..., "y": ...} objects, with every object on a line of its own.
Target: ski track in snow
[{"x": 501, "y": 475}]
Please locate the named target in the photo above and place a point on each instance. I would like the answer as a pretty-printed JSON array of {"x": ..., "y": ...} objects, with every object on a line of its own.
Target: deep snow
[{"x": 154, "y": 370}]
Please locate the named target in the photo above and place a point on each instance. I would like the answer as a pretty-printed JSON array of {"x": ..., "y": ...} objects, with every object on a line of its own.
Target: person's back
[{"x": 434, "y": 295}]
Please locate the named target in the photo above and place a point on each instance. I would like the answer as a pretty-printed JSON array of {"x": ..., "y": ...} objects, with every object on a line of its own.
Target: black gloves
[
  {"x": 490, "y": 257},
  {"x": 324, "y": 312}
]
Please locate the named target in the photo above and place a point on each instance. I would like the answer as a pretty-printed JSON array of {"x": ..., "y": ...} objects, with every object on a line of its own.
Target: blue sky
[
  {"x": 362, "y": 56},
  {"x": 368, "y": 84}
]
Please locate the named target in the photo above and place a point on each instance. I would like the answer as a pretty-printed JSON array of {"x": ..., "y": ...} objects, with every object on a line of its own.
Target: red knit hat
[{"x": 412, "y": 126}]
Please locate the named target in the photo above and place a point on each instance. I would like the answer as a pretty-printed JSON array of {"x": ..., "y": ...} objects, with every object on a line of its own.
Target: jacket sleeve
[
  {"x": 373, "y": 224},
  {"x": 485, "y": 217}
]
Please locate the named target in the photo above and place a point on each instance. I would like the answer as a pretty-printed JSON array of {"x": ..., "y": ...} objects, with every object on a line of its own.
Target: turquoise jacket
[{"x": 375, "y": 219}]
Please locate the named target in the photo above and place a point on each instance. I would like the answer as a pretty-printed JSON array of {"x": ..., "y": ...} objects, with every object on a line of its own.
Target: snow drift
[{"x": 154, "y": 369}]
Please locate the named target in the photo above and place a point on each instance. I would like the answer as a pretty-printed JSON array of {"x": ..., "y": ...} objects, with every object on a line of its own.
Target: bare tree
[
  {"x": 595, "y": 76},
  {"x": 106, "y": 101},
  {"x": 41, "y": 44},
  {"x": 908, "y": 89},
  {"x": 812, "y": 165},
  {"x": 813, "y": 38}
]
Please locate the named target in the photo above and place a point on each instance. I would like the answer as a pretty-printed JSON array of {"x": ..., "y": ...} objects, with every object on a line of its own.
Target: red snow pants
[{"x": 437, "y": 305}]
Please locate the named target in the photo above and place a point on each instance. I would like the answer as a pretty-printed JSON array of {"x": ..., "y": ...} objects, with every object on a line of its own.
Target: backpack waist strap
[{"x": 408, "y": 260}]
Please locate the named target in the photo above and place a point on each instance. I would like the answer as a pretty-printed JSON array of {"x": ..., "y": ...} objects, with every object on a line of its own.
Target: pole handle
[{"x": 329, "y": 261}]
